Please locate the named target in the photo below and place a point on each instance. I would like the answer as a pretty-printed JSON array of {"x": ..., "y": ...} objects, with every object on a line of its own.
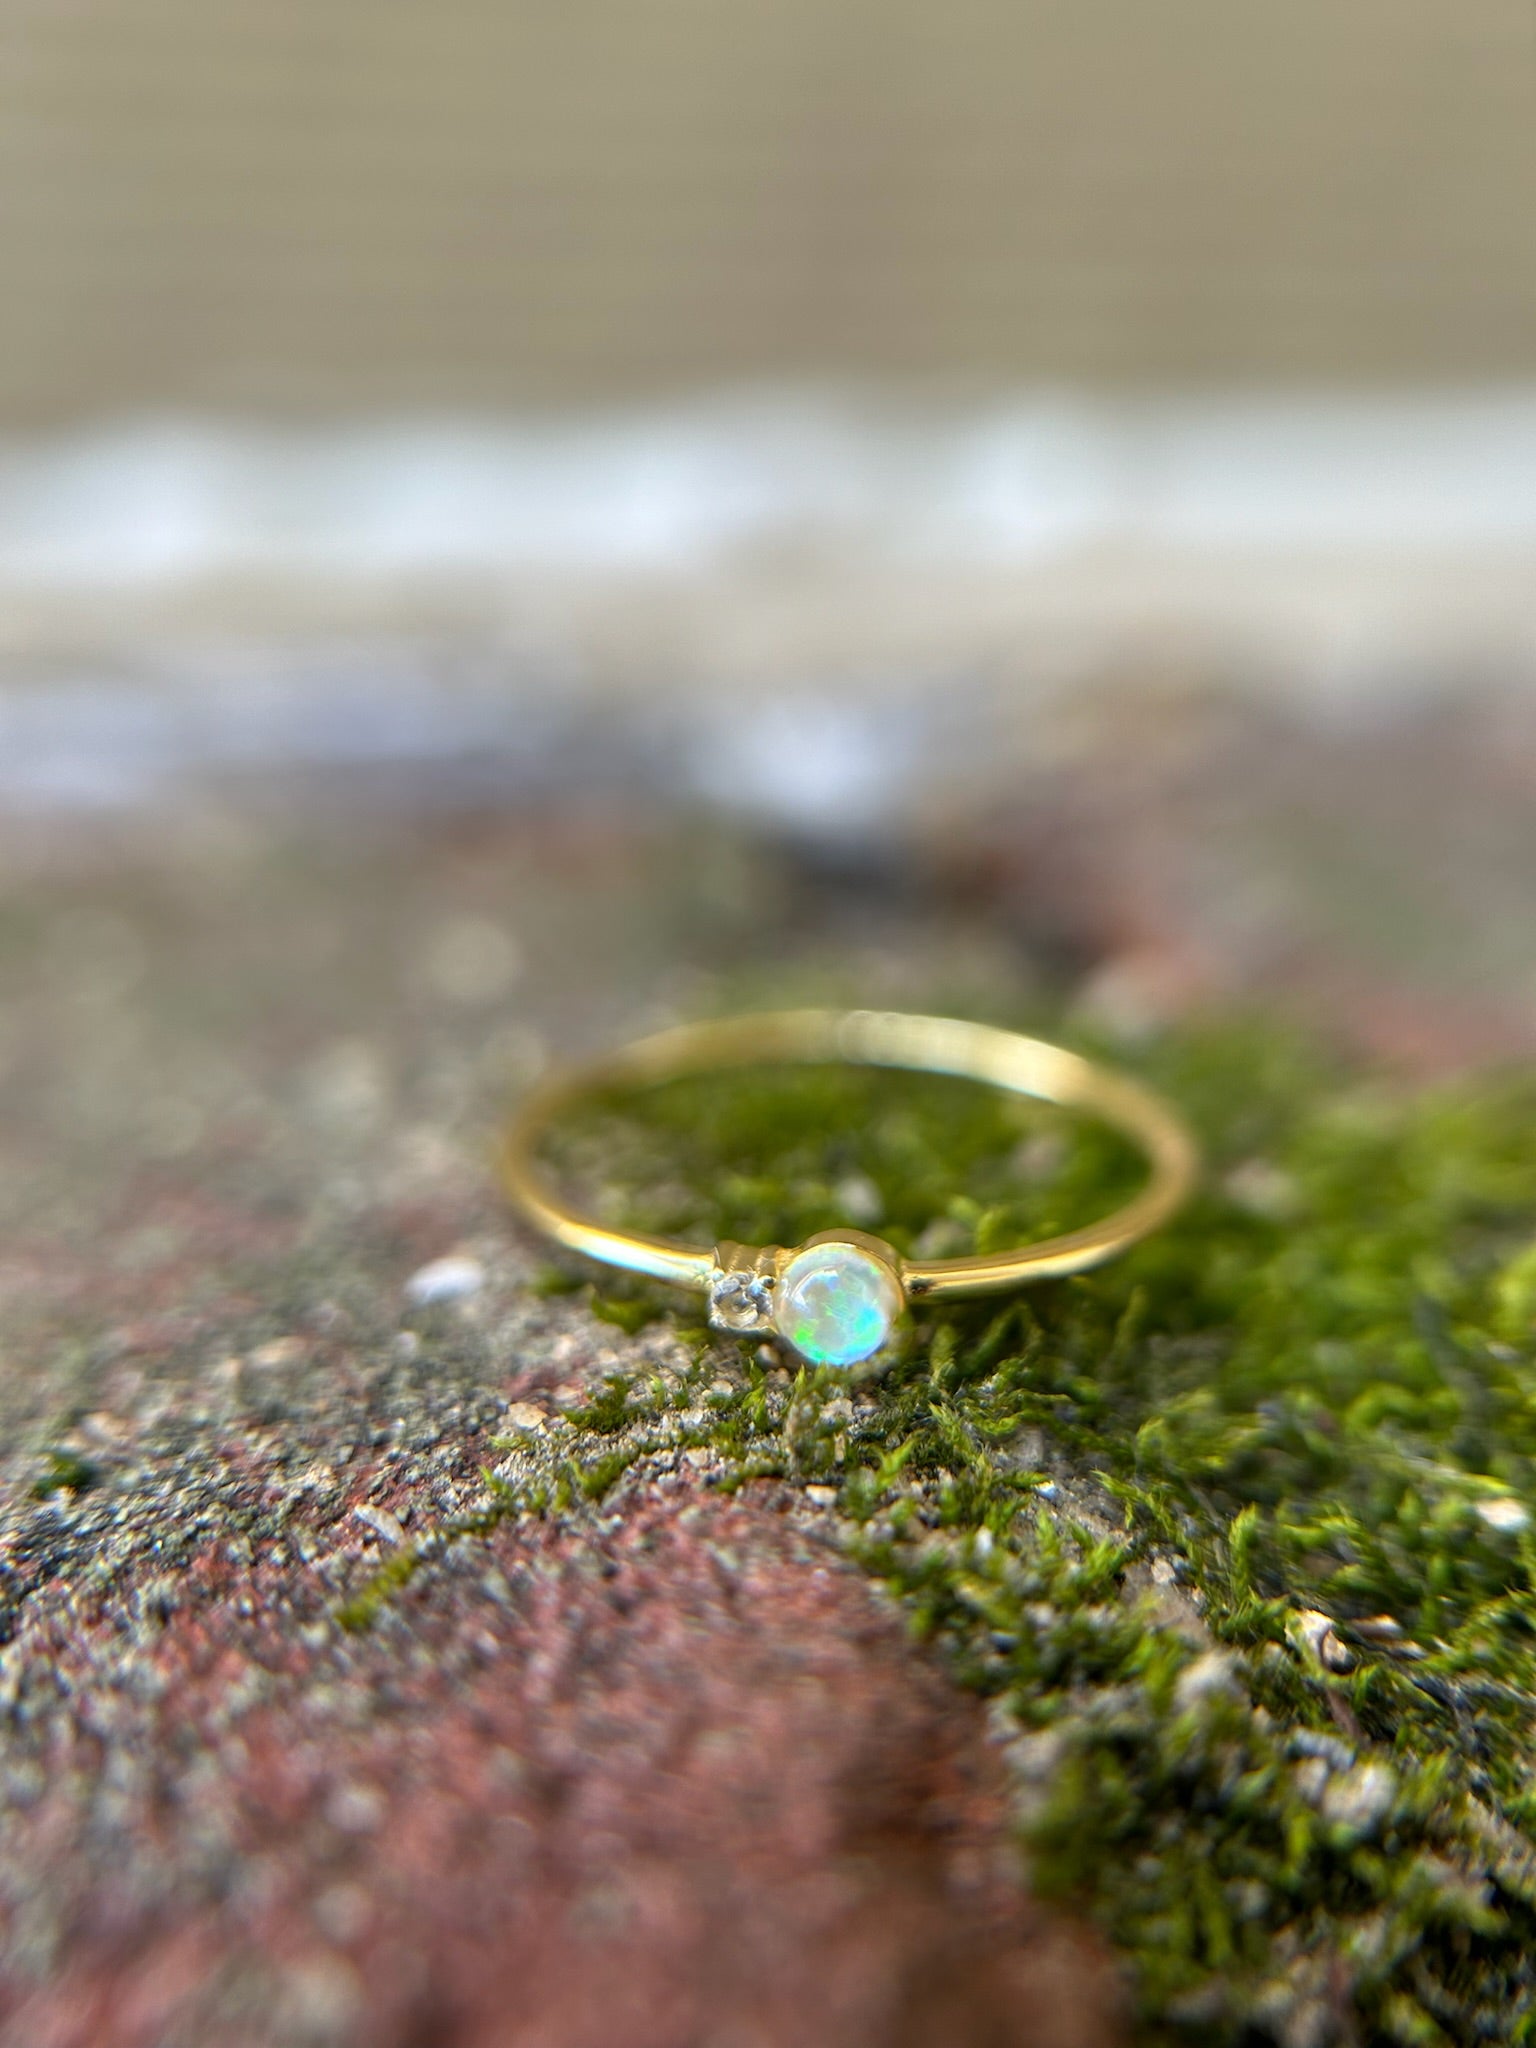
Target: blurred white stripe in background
[
  {"x": 814, "y": 608},
  {"x": 159, "y": 504}
]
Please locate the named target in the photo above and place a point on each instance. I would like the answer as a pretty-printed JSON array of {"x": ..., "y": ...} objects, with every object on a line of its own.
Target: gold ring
[{"x": 835, "y": 1298}]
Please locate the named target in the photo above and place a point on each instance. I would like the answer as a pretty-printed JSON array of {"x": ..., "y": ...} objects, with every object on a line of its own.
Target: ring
[{"x": 835, "y": 1298}]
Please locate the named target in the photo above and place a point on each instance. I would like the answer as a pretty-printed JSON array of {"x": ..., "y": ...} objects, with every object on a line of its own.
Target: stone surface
[
  {"x": 662, "y": 1772},
  {"x": 675, "y": 1778}
]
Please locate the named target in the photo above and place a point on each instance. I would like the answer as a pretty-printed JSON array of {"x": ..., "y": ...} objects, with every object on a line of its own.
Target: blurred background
[
  {"x": 1062, "y": 478},
  {"x": 961, "y": 499},
  {"x": 410, "y": 384},
  {"x": 520, "y": 520},
  {"x": 836, "y": 417}
]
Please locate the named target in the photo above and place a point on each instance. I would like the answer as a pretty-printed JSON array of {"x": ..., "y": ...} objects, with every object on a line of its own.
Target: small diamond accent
[{"x": 740, "y": 1299}]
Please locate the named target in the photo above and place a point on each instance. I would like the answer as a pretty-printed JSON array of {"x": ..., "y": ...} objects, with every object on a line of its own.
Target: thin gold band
[{"x": 872, "y": 1038}]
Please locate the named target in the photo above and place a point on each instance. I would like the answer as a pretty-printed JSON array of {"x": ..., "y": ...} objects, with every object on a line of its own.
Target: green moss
[
  {"x": 1233, "y": 1533},
  {"x": 503, "y": 1503},
  {"x": 362, "y": 1610},
  {"x": 64, "y": 1472},
  {"x": 552, "y": 1281},
  {"x": 627, "y": 1312},
  {"x": 608, "y": 1411}
]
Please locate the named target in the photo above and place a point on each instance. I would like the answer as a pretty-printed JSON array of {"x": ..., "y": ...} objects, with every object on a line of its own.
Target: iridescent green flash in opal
[{"x": 836, "y": 1303}]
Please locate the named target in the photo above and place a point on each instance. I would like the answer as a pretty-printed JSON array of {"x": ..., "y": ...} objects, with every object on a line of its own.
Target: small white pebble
[
  {"x": 280, "y": 1352},
  {"x": 1311, "y": 1779},
  {"x": 319, "y": 1998},
  {"x": 355, "y": 1809},
  {"x": 859, "y": 1199},
  {"x": 1335, "y": 1655},
  {"x": 1380, "y": 1628},
  {"x": 941, "y": 1238},
  {"x": 823, "y": 1496},
  {"x": 104, "y": 1428},
  {"x": 524, "y": 1415},
  {"x": 447, "y": 1279},
  {"x": 381, "y": 1522},
  {"x": 1504, "y": 1514},
  {"x": 1127, "y": 996},
  {"x": 1263, "y": 1190},
  {"x": 1211, "y": 1677},
  {"x": 1360, "y": 1798},
  {"x": 1313, "y": 1631}
]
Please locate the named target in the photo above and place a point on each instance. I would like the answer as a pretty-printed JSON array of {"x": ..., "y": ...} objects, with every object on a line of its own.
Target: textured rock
[
  {"x": 662, "y": 1771},
  {"x": 676, "y": 1777}
]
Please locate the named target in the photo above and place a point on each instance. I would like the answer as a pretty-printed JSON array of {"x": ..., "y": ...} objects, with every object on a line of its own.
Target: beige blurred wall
[{"x": 301, "y": 205}]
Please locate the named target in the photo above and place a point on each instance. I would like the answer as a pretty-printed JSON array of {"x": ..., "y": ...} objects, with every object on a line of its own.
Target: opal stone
[{"x": 836, "y": 1303}]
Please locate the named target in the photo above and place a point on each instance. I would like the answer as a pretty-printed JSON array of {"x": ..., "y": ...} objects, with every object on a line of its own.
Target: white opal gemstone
[{"x": 836, "y": 1303}]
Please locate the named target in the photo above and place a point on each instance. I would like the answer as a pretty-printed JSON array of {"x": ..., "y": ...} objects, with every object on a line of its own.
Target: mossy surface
[{"x": 1236, "y": 1534}]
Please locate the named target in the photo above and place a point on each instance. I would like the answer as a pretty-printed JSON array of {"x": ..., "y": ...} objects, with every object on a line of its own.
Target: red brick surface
[{"x": 676, "y": 1779}]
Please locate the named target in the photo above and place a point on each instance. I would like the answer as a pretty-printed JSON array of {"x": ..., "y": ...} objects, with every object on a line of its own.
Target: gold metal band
[{"x": 872, "y": 1038}]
